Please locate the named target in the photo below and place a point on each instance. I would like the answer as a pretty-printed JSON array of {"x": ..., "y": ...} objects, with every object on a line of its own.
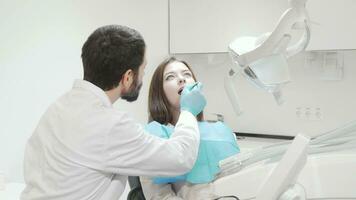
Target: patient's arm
[{"x": 157, "y": 191}]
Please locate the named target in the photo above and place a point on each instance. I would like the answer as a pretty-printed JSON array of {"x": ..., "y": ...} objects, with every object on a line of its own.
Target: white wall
[{"x": 40, "y": 57}]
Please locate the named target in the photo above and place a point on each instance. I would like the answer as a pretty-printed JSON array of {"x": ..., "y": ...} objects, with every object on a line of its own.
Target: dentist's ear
[{"x": 127, "y": 79}]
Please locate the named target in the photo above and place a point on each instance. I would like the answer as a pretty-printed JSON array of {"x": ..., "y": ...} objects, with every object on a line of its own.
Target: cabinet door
[
  {"x": 333, "y": 24},
  {"x": 208, "y": 26}
]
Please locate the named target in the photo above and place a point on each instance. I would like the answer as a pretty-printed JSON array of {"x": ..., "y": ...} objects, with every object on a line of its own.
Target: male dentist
[{"x": 83, "y": 148}]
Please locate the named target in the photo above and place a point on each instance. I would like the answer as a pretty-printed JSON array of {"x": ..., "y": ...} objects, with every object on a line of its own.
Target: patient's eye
[
  {"x": 187, "y": 74},
  {"x": 169, "y": 77}
]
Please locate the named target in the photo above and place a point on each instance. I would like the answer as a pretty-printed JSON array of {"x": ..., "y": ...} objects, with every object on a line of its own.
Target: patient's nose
[{"x": 181, "y": 79}]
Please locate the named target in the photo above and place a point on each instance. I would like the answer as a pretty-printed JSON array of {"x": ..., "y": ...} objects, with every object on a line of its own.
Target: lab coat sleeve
[
  {"x": 133, "y": 151},
  {"x": 157, "y": 191}
]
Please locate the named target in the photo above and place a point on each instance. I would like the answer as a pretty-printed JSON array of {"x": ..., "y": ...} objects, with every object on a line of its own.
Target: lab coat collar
[{"x": 86, "y": 85}]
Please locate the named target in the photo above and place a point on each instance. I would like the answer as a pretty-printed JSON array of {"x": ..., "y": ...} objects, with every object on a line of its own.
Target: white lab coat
[{"x": 83, "y": 148}]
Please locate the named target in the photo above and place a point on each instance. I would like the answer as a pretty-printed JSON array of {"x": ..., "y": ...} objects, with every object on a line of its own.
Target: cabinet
[
  {"x": 333, "y": 24},
  {"x": 208, "y": 26}
]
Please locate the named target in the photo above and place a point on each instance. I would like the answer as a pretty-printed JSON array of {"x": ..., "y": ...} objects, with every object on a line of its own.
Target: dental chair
[
  {"x": 321, "y": 168},
  {"x": 329, "y": 171}
]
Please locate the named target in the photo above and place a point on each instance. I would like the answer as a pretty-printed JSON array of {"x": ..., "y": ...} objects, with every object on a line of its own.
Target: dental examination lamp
[{"x": 263, "y": 60}]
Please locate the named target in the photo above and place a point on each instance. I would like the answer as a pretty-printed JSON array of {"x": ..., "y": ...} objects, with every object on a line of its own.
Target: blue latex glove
[{"x": 192, "y": 99}]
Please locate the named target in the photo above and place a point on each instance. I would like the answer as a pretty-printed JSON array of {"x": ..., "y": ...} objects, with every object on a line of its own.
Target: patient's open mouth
[{"x": 180, "y": 91}]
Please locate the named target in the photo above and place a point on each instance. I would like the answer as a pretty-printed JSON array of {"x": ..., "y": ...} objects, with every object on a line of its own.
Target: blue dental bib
[{"x": 217, "y": 142}]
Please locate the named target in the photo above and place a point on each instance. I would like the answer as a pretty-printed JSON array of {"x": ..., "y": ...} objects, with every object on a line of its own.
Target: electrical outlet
[{"x": 309, "y": 113}]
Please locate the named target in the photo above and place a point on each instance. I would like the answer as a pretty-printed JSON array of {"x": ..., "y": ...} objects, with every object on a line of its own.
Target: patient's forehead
[{"x": 175, "y": 66}]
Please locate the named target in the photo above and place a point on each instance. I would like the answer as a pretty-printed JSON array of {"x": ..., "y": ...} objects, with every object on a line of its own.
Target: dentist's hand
[{"x": 192, "y": 99}]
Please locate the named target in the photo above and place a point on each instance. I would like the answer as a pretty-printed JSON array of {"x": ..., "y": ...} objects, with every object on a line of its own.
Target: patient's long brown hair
[{"x": 158, "y": 104}]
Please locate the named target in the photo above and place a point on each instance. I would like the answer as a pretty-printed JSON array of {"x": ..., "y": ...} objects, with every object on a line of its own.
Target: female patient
[{"x": 216, "y": 143}]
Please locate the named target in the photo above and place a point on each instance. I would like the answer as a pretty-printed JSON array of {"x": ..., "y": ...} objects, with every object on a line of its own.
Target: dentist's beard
[{"x": 133, "y": 93}]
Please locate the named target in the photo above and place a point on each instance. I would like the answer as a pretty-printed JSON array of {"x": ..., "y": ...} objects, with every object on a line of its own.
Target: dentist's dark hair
[
  {"x": 109, "y": 52},
  {"x": 158, "y": 104}
]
